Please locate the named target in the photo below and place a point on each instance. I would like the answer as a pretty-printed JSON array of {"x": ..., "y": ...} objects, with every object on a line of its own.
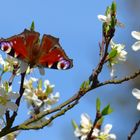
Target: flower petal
[
  {"x": 136, "y": 93},
  {"x": 85, "y": 121},
  {"x": 107, "y": 128},
  {"x": 138, "y": 106},
  {"x": 112, "y": 137},
  {"x": 2, "y": 110},
  {"x": 2, "y": 62},
  {"x": 11, "y": 106},
  {"x": 112, "y": 73},
  {"x": 119, "y": 24},
  {"x": 13, "y": 95},
  {"x": 136, "y": 46},
  {"x": 77, "y": 132},
  {"x": 136, "y": 35},
  {"x": 102, "y": 18}
]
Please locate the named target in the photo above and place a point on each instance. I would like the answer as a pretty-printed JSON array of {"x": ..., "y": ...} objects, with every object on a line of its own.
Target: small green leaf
[
  {"x": 112, "y": 53},
  {"x": 98, "y": 104},
  {"x": 32, "y": 27},
  {"x": 113, "y": 21},
  {"x": 107, "y": 110},
  {"x": 108, "y": 10},
  {"x": 87, "y": 84},
  {"x": 49, "y": 90},
  {"x": 74, "y": 124},
  {"x": 82, "y": 85},
  {"x": 113, "y": 7}
]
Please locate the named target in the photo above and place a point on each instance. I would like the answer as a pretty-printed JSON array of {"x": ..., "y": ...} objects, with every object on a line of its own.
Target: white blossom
[
  {"x": 136, "y": 94},
  {"x": 6, "y": 97},
  {"x": 85, "y": 127},
  {"x": 42, "y": 98},
  {"x": 9, "y": 63},
  {"x": 136, "y": 45},
  {"x": 105, "y": 133},
  {"x": 116, "y": 55},
  {"x": 107, "y": 19}
]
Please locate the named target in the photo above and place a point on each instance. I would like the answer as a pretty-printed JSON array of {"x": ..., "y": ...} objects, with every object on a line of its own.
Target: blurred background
[{"x": 75, "y": 23}]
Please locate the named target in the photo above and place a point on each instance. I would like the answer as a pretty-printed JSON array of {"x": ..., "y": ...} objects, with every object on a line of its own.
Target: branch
[
  {"x": 119, "y": 81},
  {"x": 134, "y": 130},
  {"x": 47, "y": 122},
  {"x": 67, "y": 105}
]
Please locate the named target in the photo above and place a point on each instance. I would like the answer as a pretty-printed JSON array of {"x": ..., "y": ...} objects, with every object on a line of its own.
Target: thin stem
[{"x": 134, "y": 130}]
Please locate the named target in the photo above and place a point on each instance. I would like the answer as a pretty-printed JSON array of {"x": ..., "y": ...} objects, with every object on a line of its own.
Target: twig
[
  {"x": 98, "y": 117},
  {"x": 134, "y": 130},
  {"x": 65, "y": 106},
  {"x": 119, "y": 81}
]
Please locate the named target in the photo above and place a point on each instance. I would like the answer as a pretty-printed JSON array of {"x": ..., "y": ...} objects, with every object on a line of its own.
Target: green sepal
[
  {"x": 113, "y": 21},
  {"x": 113, "y": 7},
  {"x": 74, "y": 124},
  {"x": 107, "y": 110},
  {"x": 32, "y": 27},
  {"x": 112, "y": 53},
  {"x": 49, "y": 90},
  {"x": 98, "y": 105},
  {"x": 85, "y": 84},
  {"x": 108, "y": 10}
]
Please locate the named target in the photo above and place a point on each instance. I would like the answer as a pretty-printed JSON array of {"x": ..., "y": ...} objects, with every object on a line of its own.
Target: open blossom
[
  {"x": 9, "y": 63},
  {"x": 36, "y": 96},
  {"x": 85, "y": 128},
  {"x": 107, "y": 19},
  {"x": 116, "y": 55},
  {"x": 6, "y": 97},
  {"x": 120, "y": 53},
  {"x": 136, "y": 45},
  {"x": 136, "y": 94}
]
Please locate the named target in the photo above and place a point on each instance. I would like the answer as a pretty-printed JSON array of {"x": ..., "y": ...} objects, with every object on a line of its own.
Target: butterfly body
[{"x": 28, "y": 48}]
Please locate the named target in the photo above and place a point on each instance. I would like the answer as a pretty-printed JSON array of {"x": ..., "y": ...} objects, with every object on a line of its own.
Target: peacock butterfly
[{"x": 27, "y": 47}]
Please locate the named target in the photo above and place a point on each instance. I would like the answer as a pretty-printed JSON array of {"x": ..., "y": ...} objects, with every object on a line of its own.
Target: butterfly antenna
[{"x": 32, "y": 27}]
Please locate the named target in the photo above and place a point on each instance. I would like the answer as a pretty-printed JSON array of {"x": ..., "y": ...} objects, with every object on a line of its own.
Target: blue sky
[{"x": 75, "y": 23}]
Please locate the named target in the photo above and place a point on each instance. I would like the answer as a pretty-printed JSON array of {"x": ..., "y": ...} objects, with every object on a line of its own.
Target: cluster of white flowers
[
  {"x": 120, "y": 53},
  {"x": 136, "y": 47},
  {"x": 6, "y": 99},
  {"x": 117, "y": 53},
  {"x": 85, "y": 128},
  {"x": 9, "y": 63},
  {"x": 39, "y": 100}
]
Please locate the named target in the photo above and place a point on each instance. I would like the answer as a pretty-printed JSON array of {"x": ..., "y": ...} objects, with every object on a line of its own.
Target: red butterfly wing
[
  {"x": 53, "y": 56},
  {"x": 25, "y": 46},
  {"x": 19, "y": 45}
]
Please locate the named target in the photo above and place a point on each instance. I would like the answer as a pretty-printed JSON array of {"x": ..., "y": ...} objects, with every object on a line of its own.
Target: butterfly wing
[
  {"x": 19, "y": 45},
  {"x": 53, "y": 56}
]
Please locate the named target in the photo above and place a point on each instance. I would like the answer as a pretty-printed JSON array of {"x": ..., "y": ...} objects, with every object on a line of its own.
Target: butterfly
[{"x": 27, "y": 47}]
